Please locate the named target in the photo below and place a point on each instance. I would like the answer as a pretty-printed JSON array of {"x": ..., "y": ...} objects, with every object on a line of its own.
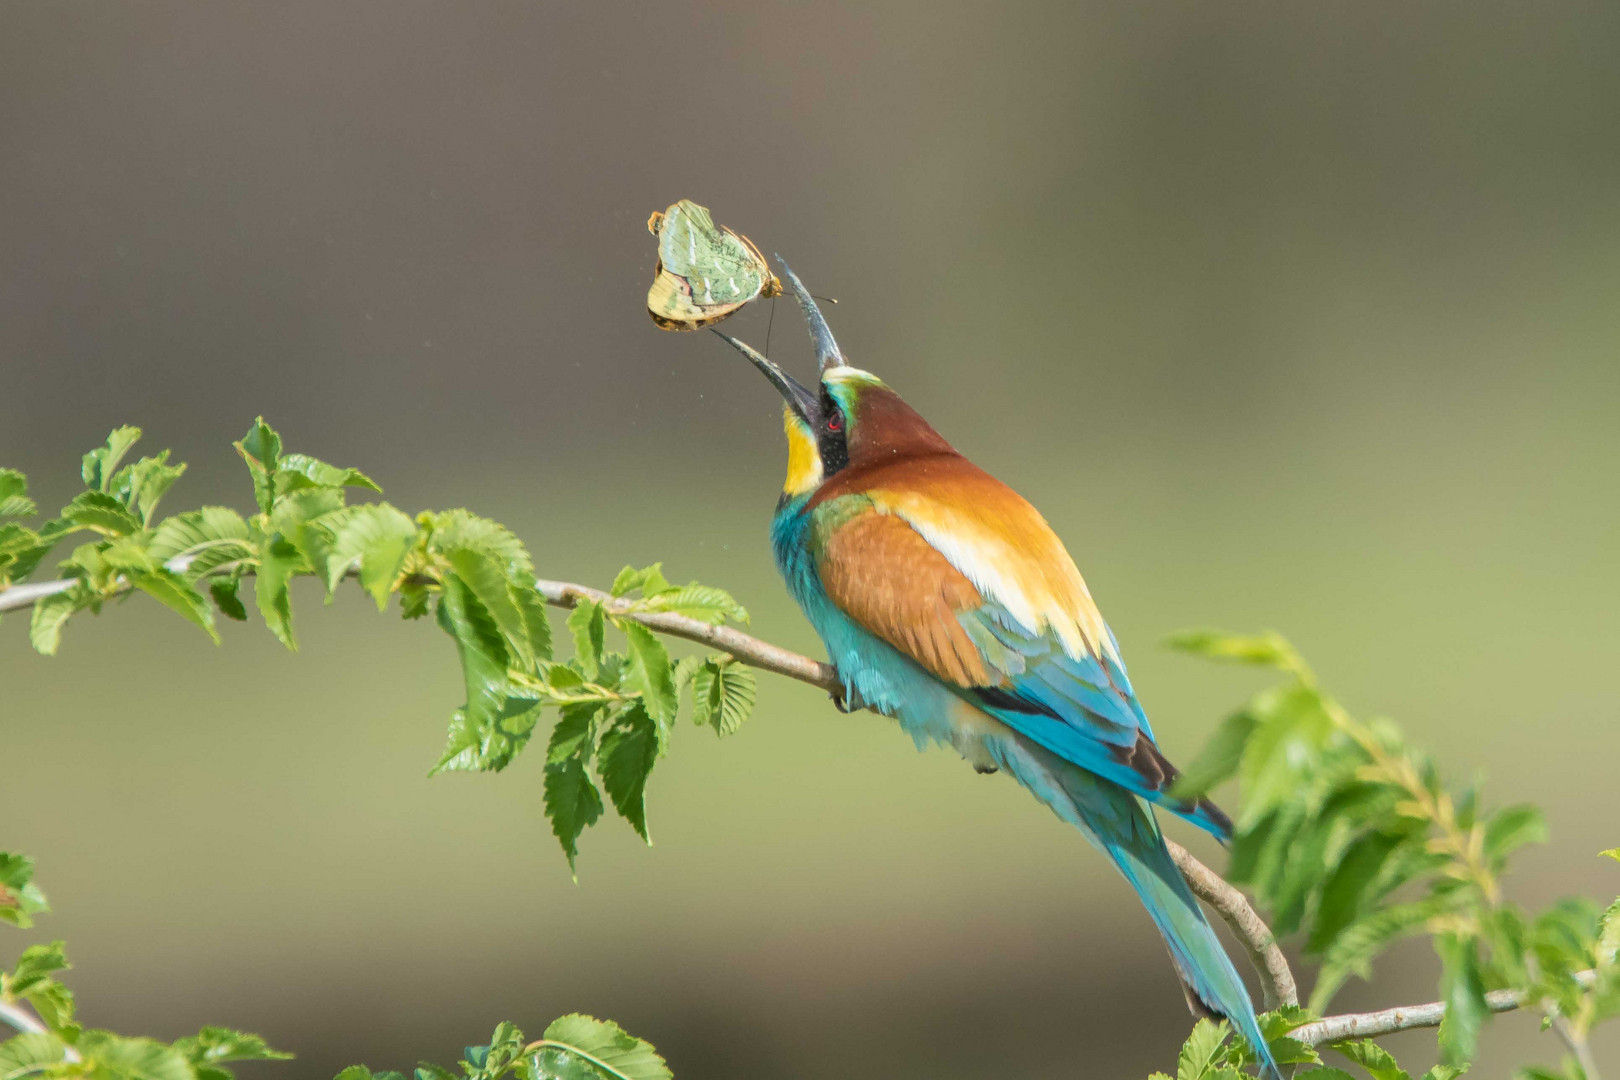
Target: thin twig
[
  {"x": 1276, "y": 979},
  {"x": 1403, "y": 1017}
]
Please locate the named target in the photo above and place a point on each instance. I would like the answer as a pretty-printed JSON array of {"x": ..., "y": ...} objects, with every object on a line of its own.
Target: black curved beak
[
  {"x": 803, "y": 403},
  {"x": 827, "y": 352}
]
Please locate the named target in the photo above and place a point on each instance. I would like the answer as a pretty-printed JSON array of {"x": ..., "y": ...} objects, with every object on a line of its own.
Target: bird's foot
[
  {"x": 985, "y": 770},
  {"x": 841, "y": 701}
]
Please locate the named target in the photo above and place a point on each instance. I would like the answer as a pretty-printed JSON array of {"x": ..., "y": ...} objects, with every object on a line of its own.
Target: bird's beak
[
  {"x": 827, "y": 352},
  {"x": 800, "y": 400}
]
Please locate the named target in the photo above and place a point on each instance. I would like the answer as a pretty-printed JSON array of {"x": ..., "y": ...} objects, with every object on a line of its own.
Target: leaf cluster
[
  {"x": 574, "y": 1047},
  {"x": 617, "y": 697},
  {"x": 64, "y": 1050},
  {"x": 1352, "y": 840}
]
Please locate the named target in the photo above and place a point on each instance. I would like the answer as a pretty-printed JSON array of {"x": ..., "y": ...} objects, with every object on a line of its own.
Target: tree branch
[
  {"x": 1276, "y": 980},
  {"x": 1403, "y": 1017},
  {"x": 23, "y": 1020}
]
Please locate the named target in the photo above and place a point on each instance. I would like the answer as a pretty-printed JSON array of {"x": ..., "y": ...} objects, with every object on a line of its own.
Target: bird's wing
[{"x": 965, "y": 577}]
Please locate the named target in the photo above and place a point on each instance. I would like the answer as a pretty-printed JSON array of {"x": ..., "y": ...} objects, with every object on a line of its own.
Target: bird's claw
[{"x": 841, "y": 701}]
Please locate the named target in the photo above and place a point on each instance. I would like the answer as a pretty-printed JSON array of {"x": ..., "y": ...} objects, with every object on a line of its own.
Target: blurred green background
[{"x": 1291, "y": 316}]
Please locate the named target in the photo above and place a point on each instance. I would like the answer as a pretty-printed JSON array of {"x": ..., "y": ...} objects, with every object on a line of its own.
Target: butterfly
[{"x": 705, "y": 271}]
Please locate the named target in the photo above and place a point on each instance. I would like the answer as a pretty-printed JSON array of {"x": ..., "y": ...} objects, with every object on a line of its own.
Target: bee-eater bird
[{"x": 947, "y": 602}]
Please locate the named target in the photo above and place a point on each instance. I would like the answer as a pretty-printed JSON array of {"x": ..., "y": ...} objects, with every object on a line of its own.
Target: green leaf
[
  {"x": 1269, "y": 649},
  {"x": 1374, "y": 1058},
  {"x": 494, "y": 724},
  {"x": 213, "y": 1047},
  {"x": 1353, "y": 951},
  {"x": 628, "y": 1056},
  {"x": 376, "y": 538},
  {"x": 1198, "y": 1053},
  {"x": 1284, "y": 750},
  {"x": 142, "y": 485},
  {"x": 1346, "y": 888},
  {"x": 279, "y": 561},
  {"x": 722, "y": 695},
  {"x": 484, "y": 574},
  {"x": 114, "y": 1057},
  {"x": 30, "y": 1053},
  {"x": 587, "y": 625},
  {"x": 1510, "y": 828},
  {"x": 201, "y": 540},
  {"x": 704, "y": 603},
  {"x": 100, "y": 463},
  {"x": 14, "y": 500},
  {"x": 488, "y": 743},
  {"x": 175, "y": 592},
  {"x": 649, "y": 579},
  {"x": 1463, "y": 990},
  {"x": 572, "y": 802},
  {"x": 1326, "y": 1072},
  {"x": 628, "y": 752},
  {"x": 50, "y": 615},
  {"x": 100, "y": 512},
  {"x": 294, "y": 471},
  {"x": 224, "y": 592},
  {"x": 1218, "y": 761},
  {"x": 261, "y": 450},
  {"x": 20, "y": 898},
  {"x": 34, "y": 968},
  {"x": 1445, "y": 1072},
  {"x": 650, "y": 672},
  {"x": 574, "y": 733}
]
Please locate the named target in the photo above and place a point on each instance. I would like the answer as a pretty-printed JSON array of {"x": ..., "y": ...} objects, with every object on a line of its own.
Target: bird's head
[{"x": 849, "y": 420}]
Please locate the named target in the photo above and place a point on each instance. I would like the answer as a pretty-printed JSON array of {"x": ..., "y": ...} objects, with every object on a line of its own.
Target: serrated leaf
[
  {"x": 29, "y": 1054},
  {"x": 574, "y": 733},
  {"x": 201, "y": 540},
  {"x": 375, "y": 538},
  {"x": 1218, "y": 761},
  {"x": 261, "y": 450},
  {"x": 294, "y": 471},
  {"x": 100, "y": 512},
  {"x": 1463, "y": 990},
  {"x": 14, "y": 500},
  {"x": 34, "y": 968},
  {"x": 1283, "y": 751},
  {"x": 1266, "y": 650},
  {"x": 649, "y": 579},
  {"x": 722, "y": 696},
  {"x": 176, "y": 593},
  {"x": 1353, "y": 951},
  {"x": 279, "y": 562},
  {"x": 587, "y": 624},
  {"x": 20, "y": 898},
  {"x": 572, "y": 802},
  {"x": 535, "y": 620},
  {"x": 1512, "y": 827},
  {"x": 1198, "y": 1053},
  {"x": 101, "y": 463},
  {"x": 1445, "y": 1072},
  {"x": 461, "y": 529},
  {"x": 1347, "y": 886},
  {"x": 650, "y": 672},
  {"x": 494, "y": 724},
  {"x": 426, "y": 1070},
  {"x": 114, "y": 1057},
  {"x": 141, "y": 486},
  {"x": 484, "y": 574},
  {"x": 607, "y": 1042},
  {"x": 488, "y": 744},
  {"x": 625, "y": 759},
  {"x": 214, "y": 1046},
  {"x": 1374, "y": 1058},
  {"x": 704, "y": 603},
  {"x": 226, "y": 598},
  {"x": 50, "y": 615},
  {"x": 1326, "y": 1072}
]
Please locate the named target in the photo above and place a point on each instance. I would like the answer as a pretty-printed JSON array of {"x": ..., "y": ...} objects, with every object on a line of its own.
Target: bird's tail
[
  {"x": 1205, "y": 968},
  {"x": 1119, "y": 824}
]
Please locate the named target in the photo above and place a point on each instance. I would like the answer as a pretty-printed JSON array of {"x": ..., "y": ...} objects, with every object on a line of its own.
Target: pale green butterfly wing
[{"x": 705, "y": 271}]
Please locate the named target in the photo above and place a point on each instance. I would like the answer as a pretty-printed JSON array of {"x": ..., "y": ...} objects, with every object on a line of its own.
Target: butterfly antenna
[{"x": 768, "y": 325}]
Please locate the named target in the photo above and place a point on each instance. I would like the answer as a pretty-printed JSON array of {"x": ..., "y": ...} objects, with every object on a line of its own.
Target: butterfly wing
[{"x": 705, "y": 272}]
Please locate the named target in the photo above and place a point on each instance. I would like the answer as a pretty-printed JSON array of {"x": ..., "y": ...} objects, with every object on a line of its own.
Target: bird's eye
[{"x": 835, "y": 422}]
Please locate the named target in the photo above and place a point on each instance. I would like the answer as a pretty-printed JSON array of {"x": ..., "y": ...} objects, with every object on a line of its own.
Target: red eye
[{"x": 835, "y": 422}]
